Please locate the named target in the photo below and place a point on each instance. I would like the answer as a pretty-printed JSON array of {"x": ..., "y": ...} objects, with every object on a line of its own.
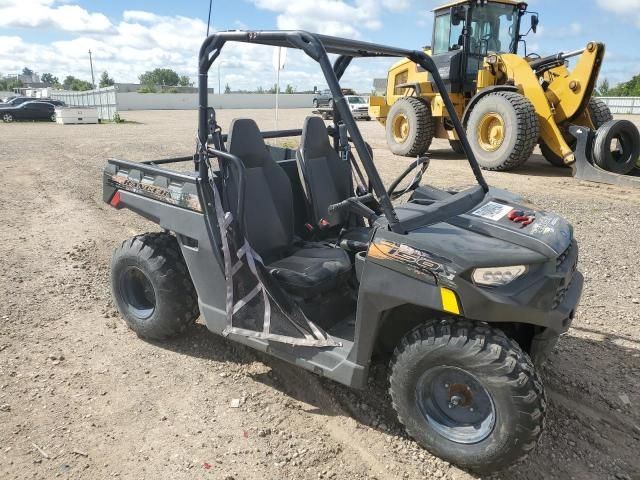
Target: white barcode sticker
[{"x": 492, "y": 211}]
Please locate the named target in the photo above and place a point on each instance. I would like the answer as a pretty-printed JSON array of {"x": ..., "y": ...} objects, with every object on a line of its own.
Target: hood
[{"x": 518, "y": 222}]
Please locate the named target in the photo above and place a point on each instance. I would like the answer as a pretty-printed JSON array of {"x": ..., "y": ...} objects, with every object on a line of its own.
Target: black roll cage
[{"x": 317, "y": 47}]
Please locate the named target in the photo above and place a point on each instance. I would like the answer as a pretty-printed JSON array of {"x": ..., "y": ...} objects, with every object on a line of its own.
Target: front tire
[
  {"x": 468, "y": 394},
  {"x": 410, "y": 127},
  {"x": 7, "y": 117},
  {"x": 152, "y": 287},
  {"x": 503, "y": 130}
]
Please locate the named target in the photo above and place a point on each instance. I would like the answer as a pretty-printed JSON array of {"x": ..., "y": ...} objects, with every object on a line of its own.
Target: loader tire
[
  {"x": 410, "y": 127},
  {"x": 151, "y": 286},
  {"x": 456, "y": 146},
  {"x": 468, "y": 394},
  {"x": 599, "y": 113},
  {"x": 616, "y": 146},
  {"x": 503, "y": 130}
]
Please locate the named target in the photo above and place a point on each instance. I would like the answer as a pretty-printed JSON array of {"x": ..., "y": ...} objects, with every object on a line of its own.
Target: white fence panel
[
  {"x": 104, "y": 99},
  {"x": 623, "y": 105}
]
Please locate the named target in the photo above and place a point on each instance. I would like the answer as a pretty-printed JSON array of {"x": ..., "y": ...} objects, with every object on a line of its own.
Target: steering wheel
[{"x": 420, "y": 165}]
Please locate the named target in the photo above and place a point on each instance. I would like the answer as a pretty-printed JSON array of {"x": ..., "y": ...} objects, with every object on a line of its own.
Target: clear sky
[{"x": 128, "y": 37}]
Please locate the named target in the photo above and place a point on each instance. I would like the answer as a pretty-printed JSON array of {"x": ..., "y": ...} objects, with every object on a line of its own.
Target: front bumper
[
  {"x": 543, "y": 343},
  {"x": 361, "y": 114},
  {"x": 546, "y": 298}
]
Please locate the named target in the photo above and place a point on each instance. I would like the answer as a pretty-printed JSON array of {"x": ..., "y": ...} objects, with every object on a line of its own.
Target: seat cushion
[{"x": 312, "y": 270}]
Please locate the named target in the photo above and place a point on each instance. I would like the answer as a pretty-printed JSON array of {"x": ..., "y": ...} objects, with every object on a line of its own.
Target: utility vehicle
[
  {"x": 303, "y": 255},
  {"x": 508, "y": 103}
]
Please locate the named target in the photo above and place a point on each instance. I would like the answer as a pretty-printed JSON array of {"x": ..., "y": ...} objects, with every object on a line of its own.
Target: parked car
[
  {"x": 15, "y": 101},
  {"x": 33, "y": 110},
  {"x": 359, "y": 106},
  {"x": 323, "y": 98}
]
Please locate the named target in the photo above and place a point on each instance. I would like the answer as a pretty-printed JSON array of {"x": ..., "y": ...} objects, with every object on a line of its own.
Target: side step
[{"x": 583, "y": 169}]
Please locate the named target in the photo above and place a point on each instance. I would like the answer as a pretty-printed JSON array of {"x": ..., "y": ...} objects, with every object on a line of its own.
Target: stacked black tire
[{"x": 599, "y": 113}]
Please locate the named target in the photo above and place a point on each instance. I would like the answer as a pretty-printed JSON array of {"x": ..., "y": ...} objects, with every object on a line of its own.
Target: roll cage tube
[{"x": 317, "y": 46}]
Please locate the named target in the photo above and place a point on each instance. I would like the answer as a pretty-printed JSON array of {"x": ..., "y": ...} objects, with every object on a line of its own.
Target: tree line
[
  {"x": 149, "y": 81},
  {"x": 624, "y": 89}
]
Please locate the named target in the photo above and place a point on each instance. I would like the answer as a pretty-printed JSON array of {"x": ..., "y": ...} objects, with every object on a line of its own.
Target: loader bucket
[{"x": 585, "y": 169}]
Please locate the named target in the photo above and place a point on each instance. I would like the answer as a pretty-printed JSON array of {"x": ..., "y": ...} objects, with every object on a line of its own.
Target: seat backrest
[
  {"x": 325, "y": 177},
  {"x": 268, "y": 202}
]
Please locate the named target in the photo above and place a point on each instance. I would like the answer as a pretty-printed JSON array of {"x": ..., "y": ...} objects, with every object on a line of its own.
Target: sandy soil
[{"x": 82, "y": 397}]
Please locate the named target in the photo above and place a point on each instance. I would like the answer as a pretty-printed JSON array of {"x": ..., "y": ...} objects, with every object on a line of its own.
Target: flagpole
[{"x": 277, "y": 85}]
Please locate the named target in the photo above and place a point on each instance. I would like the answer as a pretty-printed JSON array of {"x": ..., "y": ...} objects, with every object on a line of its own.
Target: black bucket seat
[
  {"x": 306, "y": 269},
  {"x": 326, "y": 180}
]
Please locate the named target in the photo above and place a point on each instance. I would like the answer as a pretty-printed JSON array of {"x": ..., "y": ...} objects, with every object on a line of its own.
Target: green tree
[
  {"x": 604, "y": 89},
  {"x": 625, "y": 89},
  {"x": 73, "y": 83},
  {"x": 185, "y": 81},
  {"x": 289, "y": 89},
  {"x": 27, "y": 71},
  {"x": 50, "y": 79},
  {"x": 106, "y": 80},
  {"x": 160, "y": 76},
  {"x": 227, "y": 88},
  {"x": 260, "y": 90},
  {"x": 9, "y": 84}
]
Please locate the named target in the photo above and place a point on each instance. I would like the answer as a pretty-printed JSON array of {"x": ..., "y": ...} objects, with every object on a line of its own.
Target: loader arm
[
  {"x": 569, "y": 92},
  {"x": 519, "y": 71}
]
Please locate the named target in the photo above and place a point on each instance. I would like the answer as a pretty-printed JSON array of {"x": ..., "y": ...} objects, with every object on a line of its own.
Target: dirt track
[{"x": 82, "y": 397}]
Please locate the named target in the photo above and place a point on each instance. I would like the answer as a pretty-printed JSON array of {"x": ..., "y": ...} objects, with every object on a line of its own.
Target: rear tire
[
  {"x": 410, "y": 127},
  {"x": 494, "y": 403},
  {"x": 599, "y": 113},
  {"x": 315, "y": 103},
  {"x": 152, "y": 287},
  {"x": 456, "y": 146},
  {"x": 550, "y": 156},
  {"x": 503, "y": 130},
  {"x": 616, "y": 146}
]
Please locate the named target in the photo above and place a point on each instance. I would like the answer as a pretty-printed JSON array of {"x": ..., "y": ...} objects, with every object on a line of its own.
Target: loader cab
[{"x": 464, "y": 33}]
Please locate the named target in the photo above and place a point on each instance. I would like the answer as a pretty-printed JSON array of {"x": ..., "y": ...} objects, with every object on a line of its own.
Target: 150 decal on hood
[{"x": 416, "y": 261}]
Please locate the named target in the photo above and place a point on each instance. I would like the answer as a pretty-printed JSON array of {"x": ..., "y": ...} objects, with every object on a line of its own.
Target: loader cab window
[
  {"x": 447, "y": 37},
  {"x": 494, "y": 29}
]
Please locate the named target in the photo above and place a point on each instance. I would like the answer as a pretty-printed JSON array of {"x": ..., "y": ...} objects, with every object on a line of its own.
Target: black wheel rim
[
  {"x": 137, "y": 292},
  {"x": 455, "y": 404}
]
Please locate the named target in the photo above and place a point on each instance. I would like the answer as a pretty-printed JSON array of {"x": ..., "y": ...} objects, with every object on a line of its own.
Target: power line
[{"x": 209, "y": 17}]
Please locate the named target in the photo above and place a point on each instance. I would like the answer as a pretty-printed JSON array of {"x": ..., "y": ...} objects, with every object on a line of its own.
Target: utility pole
[
  {"x": 219, "y": 84},
  {"x": 93, "y": 80}
]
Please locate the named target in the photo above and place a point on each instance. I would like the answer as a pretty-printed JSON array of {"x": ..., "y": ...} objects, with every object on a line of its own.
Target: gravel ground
[{"x": 82, "y": 397}]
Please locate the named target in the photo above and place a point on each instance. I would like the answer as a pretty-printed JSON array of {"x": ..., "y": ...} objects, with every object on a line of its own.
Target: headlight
[{"x": 497, "y": 276}]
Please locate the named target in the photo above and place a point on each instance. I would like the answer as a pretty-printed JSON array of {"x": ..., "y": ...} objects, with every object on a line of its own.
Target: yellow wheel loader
[{"x": 508, "y": 103}]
